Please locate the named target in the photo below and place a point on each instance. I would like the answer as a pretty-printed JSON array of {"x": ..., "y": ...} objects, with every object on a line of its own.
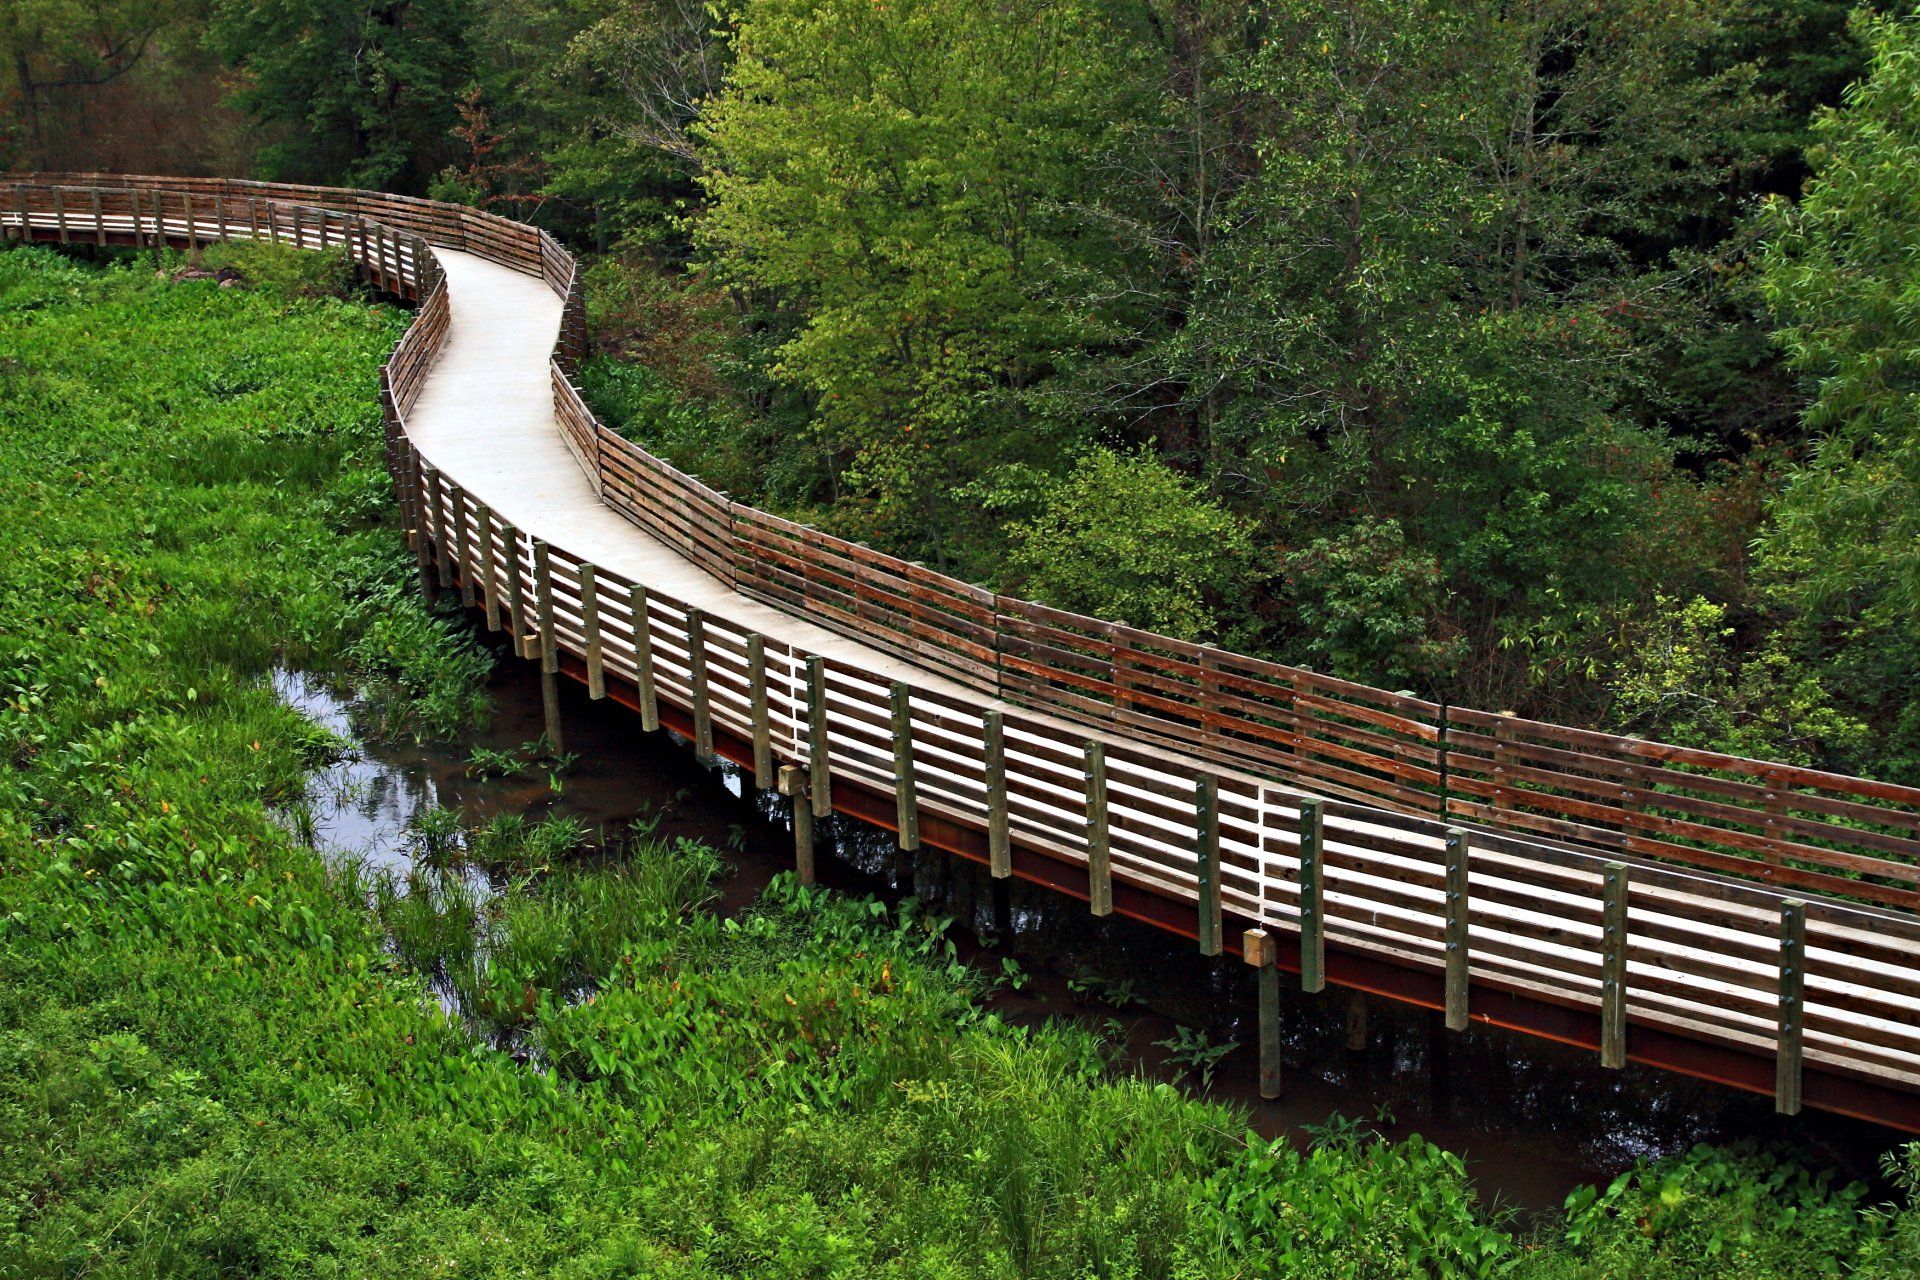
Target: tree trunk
[{"x": 30, "y": 103}]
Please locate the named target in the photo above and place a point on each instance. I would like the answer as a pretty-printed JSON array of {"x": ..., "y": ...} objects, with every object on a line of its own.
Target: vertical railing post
[
  {"x": 905, "y": 794},
  {"x": 1458, "y": 907},
  {"x": 1099, "y": 836},
  {"x": 697, "y": 685},
  {"x": 462, "y": 546},
  {"x": 99, "y": 218},
  {"x": 819, "y": 758},
  {"x": 590, "y": 624},
  {"x": 643, "y": 658},
  {"x": 516, "y": 593},
  {"x": 1206, "y": 855},
  {"x": 443, "y": 544},
  {"x": 1613, "y": 966},
  {"x": 549, "y": 644},
  {"x": 489, "y": 582},
  {"x": 1313, "y": 937},
  {"x": 1789, "y": 1055},
  {"x": 422, "y": 542},
  {"x": 763, "y": 773},
  {"x": 993, "y": 758}
]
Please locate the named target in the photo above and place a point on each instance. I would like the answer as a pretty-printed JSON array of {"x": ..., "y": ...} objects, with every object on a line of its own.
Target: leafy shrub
[
  {"x": 1730, "y": 1213},
  {"x": 1352, "y": 1207},
  {"x": 1366, "y": 606},
  {"x": 282, "y": 271},
  {"x": 1125, "y": 536}
]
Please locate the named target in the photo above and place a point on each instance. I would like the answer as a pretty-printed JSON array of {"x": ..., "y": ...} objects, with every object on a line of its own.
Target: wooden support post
[
  {"x": 697, "y": 684},
  {"x": 99, "y": 219},
  {"x": 193, "y": 231},
  {"x": 1613, "y": 966},
  {"x": 516, "y": 593},
  {"x": 906, "y": 800},
  {"x": 273, "y": 221},
  {"x": 590, "y": 624},
  {"x": 489, "y": 583},
  {"x": 462, "y": 549},
  {"x": 299, "y": 228},
  {"x": 1313, "y": 932},
  {"x": 993, "y": 757},
  {"x": 1206, "y": 856},
  {"x": 60, "y": 212},
  {"x": 253, "y": 217},
  {"x": 643, "y": 659},
  {"x": 1099, "y": 842},
  {"x": 1789, "y": 1058},
  {"x": 1259, "y": 949},
  {"x": 819, "y": 754},
  {"x": 1456, "y": 931},
  {"x": 1000, "y": 902},
  {"x": 793, "y": 784},
  {"x": 220, "y": 216},
  {"x": 1356, "y": 1022},
  {"x": 1439, "y": 1066},
  {"x": 763, "y": 774},
  {"x": 549, "y": 644}
]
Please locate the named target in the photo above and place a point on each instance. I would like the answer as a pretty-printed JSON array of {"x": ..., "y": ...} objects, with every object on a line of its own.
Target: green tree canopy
[
  {"x": 363, "y": 94},
  {"x": 905, "y": 179},
  {"x": 1843, "y": 275}
]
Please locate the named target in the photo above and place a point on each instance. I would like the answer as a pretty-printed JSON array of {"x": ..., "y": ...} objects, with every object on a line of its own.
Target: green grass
[{"x": 220, "y": 1057}]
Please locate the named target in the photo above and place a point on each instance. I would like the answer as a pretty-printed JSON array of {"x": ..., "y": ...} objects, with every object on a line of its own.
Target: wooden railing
[{"x": 1154, "y": 765}]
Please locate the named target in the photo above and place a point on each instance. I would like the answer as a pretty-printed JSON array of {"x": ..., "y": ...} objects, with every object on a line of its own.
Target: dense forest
[{"x": 1560, "y": 356}]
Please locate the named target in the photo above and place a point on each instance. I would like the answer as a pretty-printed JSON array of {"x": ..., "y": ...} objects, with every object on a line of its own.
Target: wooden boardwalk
[{"x": 1741, "y": 921}]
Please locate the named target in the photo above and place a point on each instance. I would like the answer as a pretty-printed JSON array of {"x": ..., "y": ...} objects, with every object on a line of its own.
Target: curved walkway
[
  {"x": 1689, "y": 971},
  {"x": 486, "y": 418}
]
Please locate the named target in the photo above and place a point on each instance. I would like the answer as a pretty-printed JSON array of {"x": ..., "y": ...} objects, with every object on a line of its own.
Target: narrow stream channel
[{"x": 1532, "y": 1120}]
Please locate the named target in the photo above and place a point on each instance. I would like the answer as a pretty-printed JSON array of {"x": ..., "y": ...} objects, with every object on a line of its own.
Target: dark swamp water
[{"x": 1532, "y": 1120}]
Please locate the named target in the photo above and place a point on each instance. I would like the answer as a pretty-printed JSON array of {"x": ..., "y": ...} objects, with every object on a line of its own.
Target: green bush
[{"x": 1126, "y": 536}]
